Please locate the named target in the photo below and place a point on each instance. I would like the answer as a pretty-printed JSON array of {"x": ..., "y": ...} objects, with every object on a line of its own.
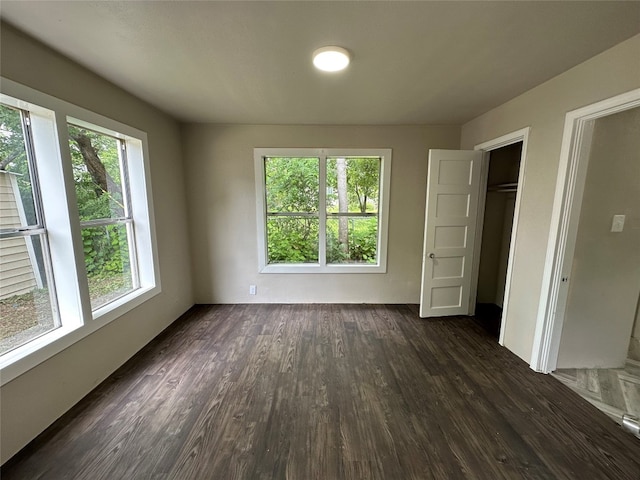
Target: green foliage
[
  {"x": 106, "y": 247},
  {"x": 13, "y": 157},
  {"x": 363, "y": 241},
  {"x": 93, "y": 201},
  {"x": 363, "y": 179},
  {"x": 292, "y": 240},
  {"x": 292, "y": 186},
  {"x": 105, "y": 250}
]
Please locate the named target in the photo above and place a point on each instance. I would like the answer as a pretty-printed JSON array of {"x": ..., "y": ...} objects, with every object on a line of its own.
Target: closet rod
[
  {"x": 503, "y": 187},
  {"x": 503, "y": 190}
]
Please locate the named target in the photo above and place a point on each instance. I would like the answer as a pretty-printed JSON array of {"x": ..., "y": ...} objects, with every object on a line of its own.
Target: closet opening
[{"x": 499, "y": 209}]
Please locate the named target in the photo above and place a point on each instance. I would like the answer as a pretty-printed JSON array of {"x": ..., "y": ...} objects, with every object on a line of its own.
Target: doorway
[
  {"x": 596, "y": 356},
  {"x": 499, "y": 208},
  {"x": 570, "y": 188},
  {"x": 508, "y": 179},
  {"x": 455, "y": 209},
  {"x": 604, "y": 279}
]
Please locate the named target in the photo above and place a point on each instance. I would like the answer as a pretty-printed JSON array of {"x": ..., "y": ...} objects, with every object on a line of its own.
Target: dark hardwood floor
[{"x": 332, "y": 392}]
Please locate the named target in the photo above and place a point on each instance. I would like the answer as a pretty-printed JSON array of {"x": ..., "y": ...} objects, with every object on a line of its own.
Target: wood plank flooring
[
  {"x": 332, "y": 392},
  {"x": 615, "y": 391}
]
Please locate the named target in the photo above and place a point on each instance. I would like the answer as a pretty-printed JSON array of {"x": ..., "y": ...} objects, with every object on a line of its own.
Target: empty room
[{"x": 319, "y": 240}]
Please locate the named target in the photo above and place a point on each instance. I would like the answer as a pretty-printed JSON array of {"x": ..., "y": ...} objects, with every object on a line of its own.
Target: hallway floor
[{"x": 615, "y": 391}]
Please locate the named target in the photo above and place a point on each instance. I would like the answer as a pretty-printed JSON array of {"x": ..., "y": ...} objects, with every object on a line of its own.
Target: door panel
[{"x": 453, "y": 186}]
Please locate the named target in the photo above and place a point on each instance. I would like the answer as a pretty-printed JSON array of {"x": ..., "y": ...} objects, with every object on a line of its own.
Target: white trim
[
  {"x": 322, "y": 217},
  {"x": 18, "y": 361},
  {"x": 261, "y": 208},
  {"x": 521, "y": 135},
  {"x": 564, "y": 218},
  {"x": 322, "y": 153}
]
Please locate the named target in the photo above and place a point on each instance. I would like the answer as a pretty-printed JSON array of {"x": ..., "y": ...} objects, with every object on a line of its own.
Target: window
[
  {"x": 322, "y": 210},
  {"x": 27, "y": 300},
  {"x": 102, "y": 193},
  {"x": 77, "y": 246}
]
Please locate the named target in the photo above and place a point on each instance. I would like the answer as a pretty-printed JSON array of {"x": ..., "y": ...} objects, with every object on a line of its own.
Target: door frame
[
  {"x": 572, "y": 173},
  {"x": 521, "y": 135}
]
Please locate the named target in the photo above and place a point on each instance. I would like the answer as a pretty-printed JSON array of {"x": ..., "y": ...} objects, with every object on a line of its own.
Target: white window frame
[
  {"x": 127, "y": 220},
  {"x": 259, "y": 155},
  {"x": 49, "y": 122}
]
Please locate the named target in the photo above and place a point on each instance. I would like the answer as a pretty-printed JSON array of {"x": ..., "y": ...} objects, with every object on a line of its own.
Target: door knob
[{"x": 431, "y": 255}]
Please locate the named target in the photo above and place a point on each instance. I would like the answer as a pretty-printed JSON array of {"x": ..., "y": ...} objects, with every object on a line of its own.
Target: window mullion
[
  {"x": 101, "y": 222},
  {"x": 292, "y": 214},
  {"x": 352, "y": 214},
  {"x": 322, "y": 212},
  {"x": 22, "y": 232}
]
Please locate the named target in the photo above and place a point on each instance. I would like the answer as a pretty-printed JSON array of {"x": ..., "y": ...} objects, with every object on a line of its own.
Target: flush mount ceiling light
[{"x": 331, "y": 59}]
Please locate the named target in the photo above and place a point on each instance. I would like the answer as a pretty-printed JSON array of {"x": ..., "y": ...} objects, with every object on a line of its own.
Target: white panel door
[{"x": 453, "y": 186}]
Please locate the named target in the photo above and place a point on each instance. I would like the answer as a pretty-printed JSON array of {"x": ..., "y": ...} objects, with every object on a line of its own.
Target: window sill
[
  {"x": 331, "y": 269},
  {"x": 24, "y": 358}
]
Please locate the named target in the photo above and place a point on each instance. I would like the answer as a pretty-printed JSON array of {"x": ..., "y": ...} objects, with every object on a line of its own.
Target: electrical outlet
[
  {"x": 252, "y": 289},
  {"x": 618, "y": 223}
]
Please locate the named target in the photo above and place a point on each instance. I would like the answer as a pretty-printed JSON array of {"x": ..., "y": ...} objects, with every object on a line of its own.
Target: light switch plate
[{"x": 618, "y": 223}]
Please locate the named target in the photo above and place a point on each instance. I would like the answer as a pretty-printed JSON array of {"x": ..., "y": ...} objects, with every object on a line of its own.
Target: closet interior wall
[{"x": 504, "y": 166}]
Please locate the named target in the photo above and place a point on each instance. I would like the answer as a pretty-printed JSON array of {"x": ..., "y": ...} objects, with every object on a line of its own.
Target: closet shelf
[{"x": 503, "y": 187}]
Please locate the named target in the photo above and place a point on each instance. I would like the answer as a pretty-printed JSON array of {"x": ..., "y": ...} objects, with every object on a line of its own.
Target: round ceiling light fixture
[{"x": 331, "y": 59}]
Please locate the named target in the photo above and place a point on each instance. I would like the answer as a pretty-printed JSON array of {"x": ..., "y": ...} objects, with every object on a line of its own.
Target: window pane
[
  {"x": 97, "y": 173},
  {"x": 352, "y": 240},
  {"x": 353, "y": 184},
  {"x": 106, "y": 256},
  {"x": 292, "y": 184},
  {"x": 25, "y": 302},
  {"x": 18, "y": 206},
  {"x": 292, "y": 240}
]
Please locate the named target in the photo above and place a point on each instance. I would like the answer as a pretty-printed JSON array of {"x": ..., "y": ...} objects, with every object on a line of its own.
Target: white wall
[
  {"x": 35, "y": 399},
  {"x": 222, "y": 208},
  {"x": 605, "y": 275},
  {"x": 543, "y": 108}
]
